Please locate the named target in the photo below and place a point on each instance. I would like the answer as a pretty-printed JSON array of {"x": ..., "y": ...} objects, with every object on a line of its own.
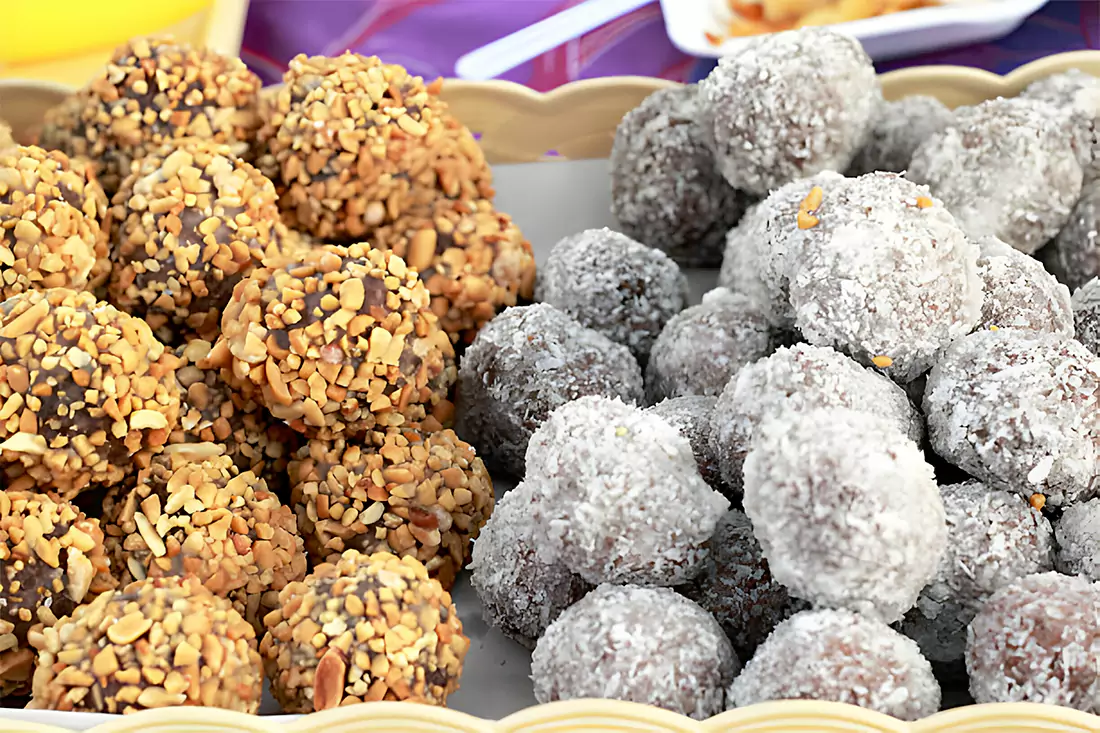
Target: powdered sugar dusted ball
[
  {"x": 1006, "y": 167},
  {"x": 1078, "y": 93},
  {"x": 524, "y": 364},
  {"x": 602, "y": 470},
  {"x": 840, "y": 656},
  {"x": 700, "y": 348},
  {"x": 665, "y": 188},
  {"x": 1078, "y": 535},
  {"x": 1038, "y": 640},
  {"x": 788, "y": 105},
  {"x": 882, "y": 272},
  {"x": 520, "y": 593},
  {"x": 860, "y": 498},
  {"x": 993, "y": 538},
  {"x": 608, "y": 282},
  {"x": 898, "y": 129},
  {"x": 691, "y": 415},
  {"x": 1018, "y": 410},
  {"x": 1086, "y": 314},
  {"x": 645, "y": 645},
  {"x": 797, "y": 379},
  {"x": 1074, "y": 255},
  {"x": 1020, "y": 293}
]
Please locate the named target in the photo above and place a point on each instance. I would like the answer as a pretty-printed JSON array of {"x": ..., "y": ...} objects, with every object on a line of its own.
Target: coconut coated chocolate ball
[
  {"x": 521, "y": 594},
  {"x": 1074, "y": 254},
  {"x": 1006, "y": 167},
  {"x": 1020, "y": 293},
  {"x": 1086, "y": 315},
  {"x": 1038, "y": 640},
  {"x": 897, "y": 130},
  {"x": 1078, "y": 94},
  {"x": 692, "y": 416},
  {"x": 1017, "y": 410},
  {"x": 840, "y": 656},
  {"x": 1078, "y": 535},
  {"x": 666, "y": 190},
  {"x": 645, "y": 645},
  {"x": 524, "y": 364},
  {"x": 362, "y": 629},
  {"x": 612, "y": 284},
  {"x": 788, "y": 105}
]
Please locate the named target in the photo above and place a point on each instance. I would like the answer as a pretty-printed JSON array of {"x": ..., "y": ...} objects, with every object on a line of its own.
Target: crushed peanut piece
[
  {"x": 882, "y": 361},
  {"x": 1037, "y": 501}
]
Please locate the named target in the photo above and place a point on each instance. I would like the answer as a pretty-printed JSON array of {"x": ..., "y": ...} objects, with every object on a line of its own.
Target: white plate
[{"x": 906, "y": 33}]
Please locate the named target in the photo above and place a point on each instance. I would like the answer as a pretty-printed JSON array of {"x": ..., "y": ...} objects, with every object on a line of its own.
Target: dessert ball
[
  {"x": 1020, "y": 293},
  {"x": 1017, "y": 410},
  {"x": 737, "y": 588},
  {"x": 666, "y": 190},
  {"x": 154, "y": 90},
  {"x": 612, "y": 284},
  {"x": 524, "y": 364},
  {"x": 797, "y": 379},
  {"x": 788, "y": 105},
  {"x": 521, "y": 594},
  {"x": 472, "y": 258},
  {"x": 692, "y": 416},
  {"x": 339, "y": 341},
  {"x": 862, "y": 501},
  {"x": 365, "y": 628},
  {"x": 424, "y": 495},
  {"x": 51, "y": 561},
  {"x": 1078, "y": 535},
  {"x": 352, "y": 143},
  {"x": 1005, "y": 167},
  {"x": 603, "y": 469},
  {"x": 161, "y": 642},
  {"x": 1038, "y": 640},
  {"x": 1086, "y": 315},
  {"x": 1077, "y": 93},
  {"x": 6, "y": 141},
  {"x": 644, "y": 645},
  {"x": 87, "y": 391},
  {"x": 897, "y": 130},
  {"x": 191, "y": 221},
  {"x": 882, "y": 272},
  {"x": 700, "y": 348},
  {"x": 840, "y": 656},
  {"x": 993, "y": 538},
  {"x": 1074, "y": 255}
]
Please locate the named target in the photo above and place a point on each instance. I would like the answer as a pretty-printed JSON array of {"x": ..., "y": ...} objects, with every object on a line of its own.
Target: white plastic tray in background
[{"x": 906, "y": 33}]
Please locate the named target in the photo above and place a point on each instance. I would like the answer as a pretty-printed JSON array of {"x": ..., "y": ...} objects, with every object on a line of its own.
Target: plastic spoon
[{"x": 505, "y": 54}]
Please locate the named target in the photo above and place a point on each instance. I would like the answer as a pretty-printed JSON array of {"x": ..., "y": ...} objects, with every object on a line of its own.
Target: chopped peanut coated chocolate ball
[
  {"x": 340, "y": 341},
  {"x": 86, "y": 391},
  {"x": 191, "y": 511},
  {"x": 51, "y": 560},
  {"x": 157, "y": 643},
  {"x": 365, "y": 628},
  {"x": 192, "y": 220},
  {"x": 1086, "y": 315},
  {"x": 353, "y": 143},
  {"x": 421, "y": 495},
  {"x": 6, "y": 141}
]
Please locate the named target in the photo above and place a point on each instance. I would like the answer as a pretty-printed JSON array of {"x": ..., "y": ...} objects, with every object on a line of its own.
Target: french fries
[{"x": 753, "y": 17}]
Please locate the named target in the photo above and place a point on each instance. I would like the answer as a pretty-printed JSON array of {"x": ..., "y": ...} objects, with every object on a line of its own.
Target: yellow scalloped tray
[{"x": 577, "y": 122}]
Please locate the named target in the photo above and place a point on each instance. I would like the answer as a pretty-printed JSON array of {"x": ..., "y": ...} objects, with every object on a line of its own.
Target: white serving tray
[{"x": 907, "y": 33}]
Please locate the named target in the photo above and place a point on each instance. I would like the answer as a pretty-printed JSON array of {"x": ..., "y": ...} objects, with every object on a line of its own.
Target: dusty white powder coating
[
  {"x": 993, "y": 538},
  {"x": 840, "y": 656},
  {"x": 1018, "y": 410},
  {"x": 846, "y": 509},
  {"x": 1078, "y": 535},
  {"x": 1074, "y": 255},
  {"x": 665, "y": 188},
  {"x": 1038, "y": 640},
  {"x": 520, "y": 594},
  {"x": 700, "y": 348},
  {"x": 524, "y": 364},
  {"x": 885, "y": 272},
  {"x": 1077, "y": 92},
  {"x": 1007, "y": 167},
  {"x": 612, "y": 284},
  {"x": 1020, "y": 293},
  {"x": 645, "y": 645},
  {"x": 1086, "y": 315},
  {"x": 800, "y": 378},
  {"x": 691, "y": 415},
  {"x": 788, "y": 105},
  {"x": 898, "y": 129},
  {"x": 620, "y": 497}
]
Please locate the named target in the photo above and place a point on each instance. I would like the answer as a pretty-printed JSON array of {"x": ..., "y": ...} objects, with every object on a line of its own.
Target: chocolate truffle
[
  {"x": 1086, "y": 315},
  {"x": 87, "y": 391},
  {"x": 339, "y": 341},
  {"x": 1078, "y": 535},
  {"x": 692, "y": 416},
  {"x": 161, "y": 642},
  {"x": 644, "y": 645},
  {"x": 524, "y": 364},
  {"x": 1074, "y": 255},
  {"x": 1077, "y": 93},
  {"x": 365, "y": 628},
  {"x": 840, "y": 656},
  {"x": 1020, "y": 293},
  {"x": 897, "y": 130},
  {"x": 612, "y": 284},
  {"x": 666, "y": 190},
  {"x": 788, "y": 105}
]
